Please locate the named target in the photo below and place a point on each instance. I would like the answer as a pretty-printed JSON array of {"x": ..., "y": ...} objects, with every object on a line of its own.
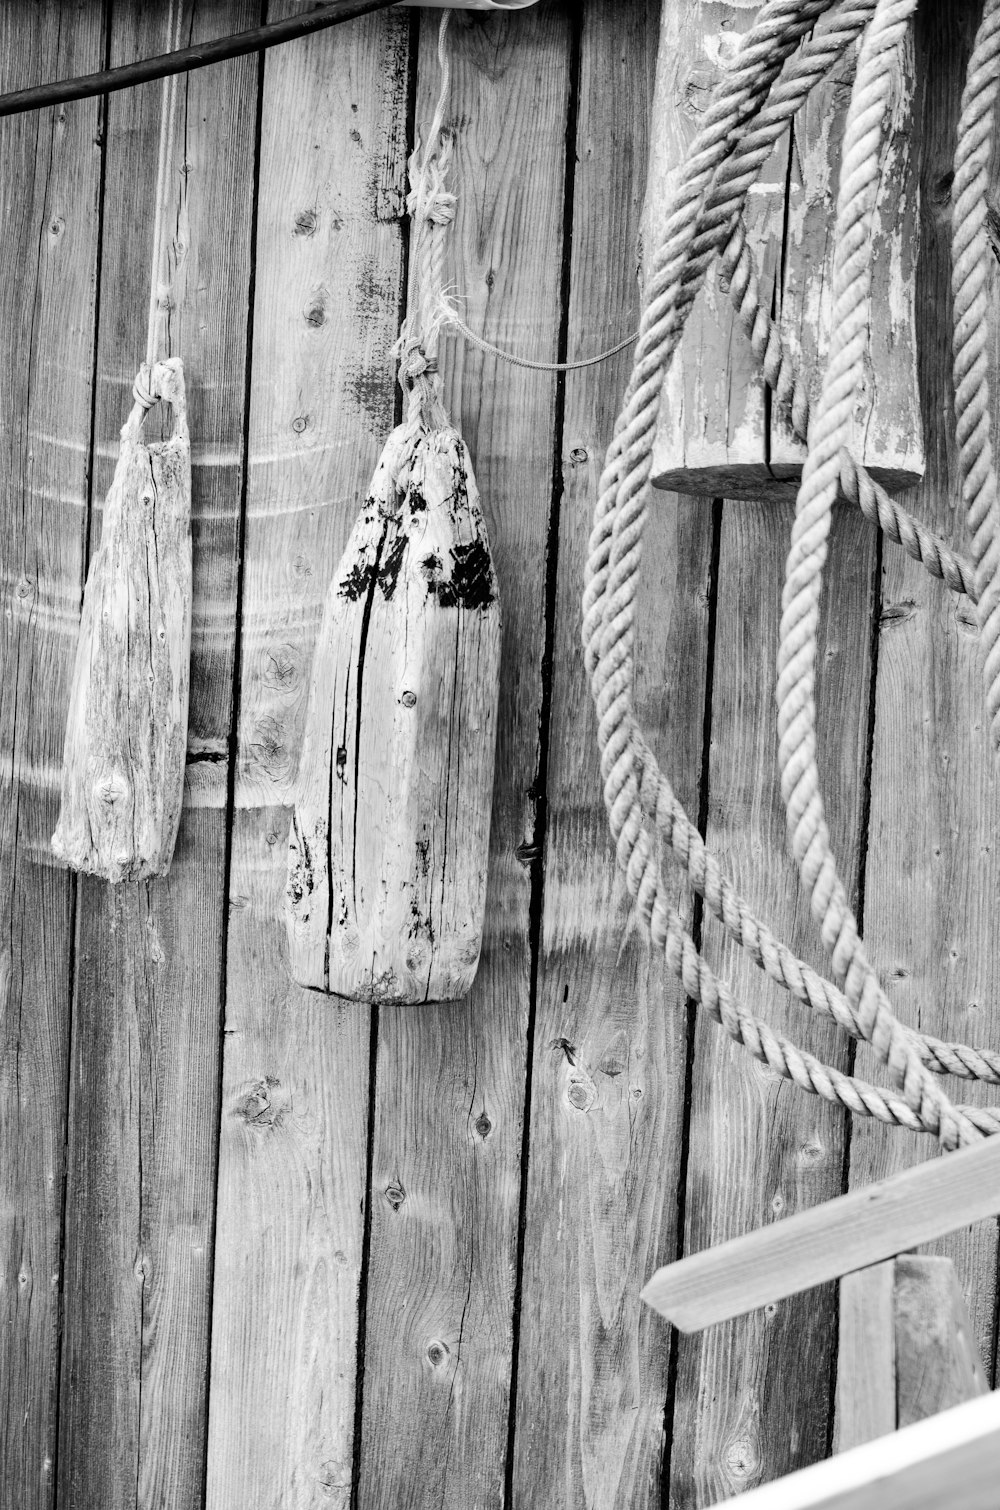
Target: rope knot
[{"x": 142, "y": 392}]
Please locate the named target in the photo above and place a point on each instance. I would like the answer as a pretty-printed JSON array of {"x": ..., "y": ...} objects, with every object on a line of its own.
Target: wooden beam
[
  {"x": 937, "y": 1359},
  {"x": 866, "y": 1365},
  {"x": 950, "y": 1460},
  {"x": 829, "y": 1240},
  {"x": 716, "y": 435}
]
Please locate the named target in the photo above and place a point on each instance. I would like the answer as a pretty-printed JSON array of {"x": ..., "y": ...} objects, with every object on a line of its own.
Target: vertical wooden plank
[
  {"x": 143, "y": 1103},
  {"x": 753, "y": 1395},
  {"x": 611, "y": 1028},
  {"x": 295, "y": 1074},
  {"x": 48, "y": 263},
  {"x": 933, "y": 869},
  {"x": 450, "y": 1079},
  {"x": 937, "y": 1361},
  {"x": 866, "y": 1356}
]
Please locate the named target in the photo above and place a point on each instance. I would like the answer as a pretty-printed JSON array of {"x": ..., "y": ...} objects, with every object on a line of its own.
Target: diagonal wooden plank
[
  {"x": 933, "y": 863},
  {"x": 48, "y": 271},
  {"x": 451, "y": 1079},
  {"x": 860, "y": 1228},
  {"x": 146, "y": 1041},
  {"x": 294, "y": 1117},
  {"x": 610, "y": 1040}
]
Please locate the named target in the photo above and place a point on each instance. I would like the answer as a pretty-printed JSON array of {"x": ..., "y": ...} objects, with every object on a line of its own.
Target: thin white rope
[{"x": 157, "y": 283}]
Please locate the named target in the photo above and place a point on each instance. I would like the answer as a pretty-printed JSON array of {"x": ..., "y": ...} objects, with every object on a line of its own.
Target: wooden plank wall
[{"x": 264, "y": 1247}]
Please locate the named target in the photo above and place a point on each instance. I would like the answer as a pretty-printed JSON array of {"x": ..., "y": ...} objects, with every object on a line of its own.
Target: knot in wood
[
  {"x": 438, "y": 1353},
  {"x": 395, "y": 1194}
]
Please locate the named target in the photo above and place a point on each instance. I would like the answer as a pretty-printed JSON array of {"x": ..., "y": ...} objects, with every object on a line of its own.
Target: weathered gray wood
[
  {"x": 144, "y": 1090},
  {"x": 950, "y": 1460},
  {"x": 48, "y": 262},
  {"x": 866, "y": 1356},
  {"x": 715, "y": 434},
  {"x": 887, "y": 431},
  {"x": 450, "y": 1079},
  {"x": 749, "y": 1404},
  {"x": 295, "y": 1076},
  {"x": 868, "y": 1224},
  {"x": 611, "y": 1026},
  {"x": 933, "y": 866},
  {"x": 126, "y": 732},
  {"x": 389, "y": 838},
  {"x": 937, "y": 1360},
  {"x": 711, "y": 431}
]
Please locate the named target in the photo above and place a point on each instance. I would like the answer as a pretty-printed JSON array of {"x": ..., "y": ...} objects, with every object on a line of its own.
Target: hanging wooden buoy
[
  {"x": 389, "y": 839},
  {"x": 390, "y": 835},
  {"x": 126, "y": 735}
]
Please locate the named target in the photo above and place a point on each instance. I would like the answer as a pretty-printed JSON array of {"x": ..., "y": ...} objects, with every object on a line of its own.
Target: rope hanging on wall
[
  {"x": 126, "y": 732},
  {"x": 780, "y": 60}
]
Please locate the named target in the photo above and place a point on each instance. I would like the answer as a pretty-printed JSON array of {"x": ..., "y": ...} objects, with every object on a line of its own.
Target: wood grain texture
[
  {"x": 451, "y": 1079},
  {"x": 144, "y": 1090},
  {"x": 950, "y": 1460},
  {"x": 865, "y": 1405},
  {"x": 716, "y": 434},
  {"x": 886, "y": 429},
  {"x": 913, "y": 1206},
  {"x": 753, "y": 1395},
  {"x": 295, "y": 1074},
  {"x": 937, "y": 1360},
  {"x": 48, "y": 271},
  {"x": 933, "y": 866},
  {"x": 126, "y": 730},
  {"x": 711, "y": 435},
  {"x": 611, "y": 1026},
  {"x": 389, "y": 839}
]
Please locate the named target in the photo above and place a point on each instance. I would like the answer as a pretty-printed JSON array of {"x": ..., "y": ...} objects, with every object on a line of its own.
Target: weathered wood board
[
  {"x": 49, "y": 192},
  {"x": 143, "y": 1104},
  {"x": 610, "y": 1034},
  {"x": 851, "y": 1231},
  {"x": 937, "y": 1361},
  {"x": 749, "y": 1407},
  {"x": 450, "y": 1080},
  {"x": 865, "y": 1405},
  {"x": 933, "y": 866},
  {"x": 717, "y": 432},
  {"x": 294, "y": 1115},
  {"x": 425, "y": 1278}
]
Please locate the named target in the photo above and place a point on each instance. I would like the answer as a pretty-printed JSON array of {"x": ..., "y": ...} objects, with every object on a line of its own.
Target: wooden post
[
  {"x": 717, "y": 433},
  {"x": 866, "y": 1365}
]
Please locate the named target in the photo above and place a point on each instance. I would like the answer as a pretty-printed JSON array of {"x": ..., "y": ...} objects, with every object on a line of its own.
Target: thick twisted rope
[
  {"x": 829, "y": 430},
  {"x": 608, "y": 652},
  {"x": 970, "y": 260}
]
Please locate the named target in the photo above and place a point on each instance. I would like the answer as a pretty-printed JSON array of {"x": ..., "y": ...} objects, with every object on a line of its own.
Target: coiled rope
[{"x": 746, "y": 114}]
